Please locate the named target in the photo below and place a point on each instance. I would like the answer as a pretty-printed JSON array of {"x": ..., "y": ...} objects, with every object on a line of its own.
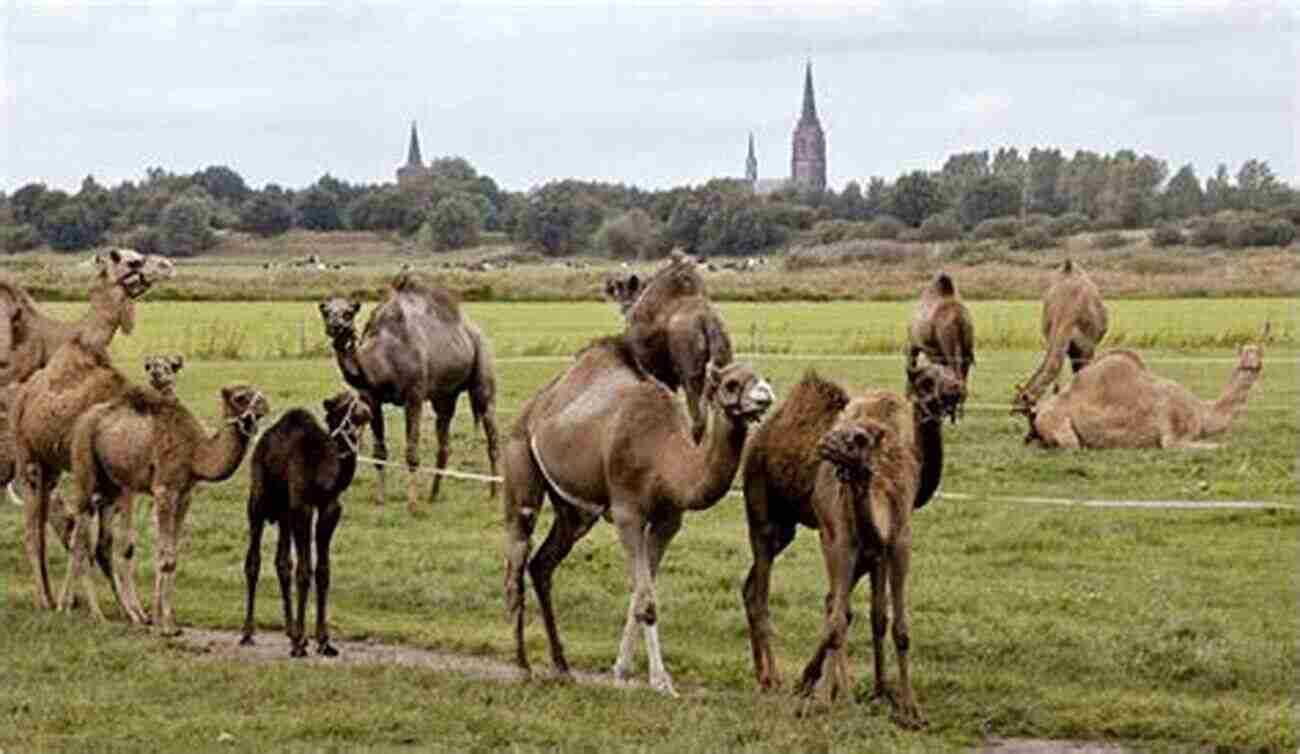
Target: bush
[
  {"x": 455, "y": 223},
  {"x": 1261, "y": 232},
  {"x": 885, "y": 227},
  {"x": 630, "y": 235},
  {"x": 848, "y": 252},
  {"x": 1167, "y": 234},
  {"x": 939, "y": 227},
  {"x": 1208, "y": 231},
  {"x": 1036, "y": 219},
  {"x": 16, "y": 238},
  {"x": 183, "y": 228},
  {"x": 1109, "y": 240},
  {"x": 266, "y": 214},
  {"x": 1033, "y": 237},
  {"x": 144, "y": 239},
  {"x": 70, "y": 227},
  {"x": 1106, "y": 222},
  {"x": 1067, "y": 224},
  {"x": 996, "y": 227}
]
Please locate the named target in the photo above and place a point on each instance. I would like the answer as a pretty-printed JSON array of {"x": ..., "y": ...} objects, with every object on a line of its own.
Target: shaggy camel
[
  {"x": 162, "y": 371},
  {"x": 146, "y": 443},
  {"x": 1074, "y": 322},
  {"x": 416, "y": 347},
  {"x": 785, "y": 488},
  {"x": 605, "y": 440},
  {"x": 674, "y": 330},
  {"x": 1116, "y": 402},
  {"x": 300, "y": 469},
  {"x": 942, "y": 329}
]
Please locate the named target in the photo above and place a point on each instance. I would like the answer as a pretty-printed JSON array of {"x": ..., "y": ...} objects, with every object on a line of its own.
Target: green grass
[{"x": 1171, "y": 629}]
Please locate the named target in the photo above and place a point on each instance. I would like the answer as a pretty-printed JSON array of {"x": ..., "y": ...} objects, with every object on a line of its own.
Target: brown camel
[
  {"x": 1116, "y": 402},
  {"x": 416, "y": 347},
  {"x": 146, "y": 443},
  {"x": 299, "y": 469},
  {"x": 1074, "y": 322},
  {"x": 784, "y": 488},
  {"x": 162, "y": 371},
  {"x": 942, "y": 329},
  {"x": 674, "y": 330},
  {"x": 605, "y": 440}
]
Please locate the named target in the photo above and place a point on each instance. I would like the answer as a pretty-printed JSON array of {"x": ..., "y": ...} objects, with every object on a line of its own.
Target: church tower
[
  {"x": 808, "y": 152},
  {"x": 414, "y": 167},
  {"x": 751, "y": 163}
]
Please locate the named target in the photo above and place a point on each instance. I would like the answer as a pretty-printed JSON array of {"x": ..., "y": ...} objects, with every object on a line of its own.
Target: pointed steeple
[
  {"x": 809, "y": 104},
  {"x": 413, "y": 152},
  {"x": 751, "y": 162}
]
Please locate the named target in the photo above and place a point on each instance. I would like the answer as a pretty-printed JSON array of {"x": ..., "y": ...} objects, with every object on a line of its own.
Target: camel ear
[
  {"x": 177, "y": 362},
  {"x": 115, "y": 256},
  {"x": 17, "y": 315},
  {"x": 328, "y": 403},
  {"x": 354, "y": 307},
  {"x": 633, "y": 284},
  {"x": 324, "y": 307}
]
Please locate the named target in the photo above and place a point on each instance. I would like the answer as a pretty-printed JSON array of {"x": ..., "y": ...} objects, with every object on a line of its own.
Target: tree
[
  {"x": 28, "y": 203},
  {"x": 71, "y": 227},
  {"x": 266, "y": 213},
  {"x": 878, "y": 196},
  {"x": 1257, "y": 187},
  {"x": 319, "y": 209},
  {"x": 1183, "y": 196},
  {"x": 629, "y": 235},
  {"x": 850, "y": 205},
  {"x": 1220, "y": 194},
  {"x": 455, "y": 223},
  {"x": 960, "y": 171},
  {"x": 1044, "y": 167},
  {"x": 916, "y": 196},
  {"x": 223, "y": 184},
  {"x": 183, "y": 227},
  {"x": 1082, "y": 182},
  {"x": 991, "y": 196},
  {"x": 559, "y": 218}
]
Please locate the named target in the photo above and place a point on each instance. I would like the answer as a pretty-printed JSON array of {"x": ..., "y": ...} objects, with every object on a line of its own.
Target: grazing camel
[
  {"x": 784, "y": 485},
  {"x": 605, "y": 440},
  {"x": 162, "y": 371},
  {"x": 1116, "y": 402},
  {"x": 416, "y": 347},
  {"x": 1074, "y": 322},
  {"x": 674, "y": 330},
  {"x": 942, "y": 329},
  {"x": 146, "y": 443},
  {"x": 299, "y": 469}
]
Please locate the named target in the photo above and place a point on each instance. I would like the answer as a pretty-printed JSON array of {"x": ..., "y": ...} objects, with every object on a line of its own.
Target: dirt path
[{"x": 1046, "y": 746}]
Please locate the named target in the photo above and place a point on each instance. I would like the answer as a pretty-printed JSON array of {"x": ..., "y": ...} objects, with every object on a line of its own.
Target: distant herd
[{"x": 604, "y": 439}]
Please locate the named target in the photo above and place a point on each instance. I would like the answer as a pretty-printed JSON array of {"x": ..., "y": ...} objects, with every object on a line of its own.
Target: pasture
[{"x": 1170, "y": 629}]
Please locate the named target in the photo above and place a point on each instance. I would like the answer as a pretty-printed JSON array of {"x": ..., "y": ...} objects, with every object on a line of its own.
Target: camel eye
[{"x": 732, "y": 385}]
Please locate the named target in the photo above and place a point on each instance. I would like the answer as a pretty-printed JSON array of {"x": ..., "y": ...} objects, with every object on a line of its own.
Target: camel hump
[
  {"x": 145, "y": 400},
  {"x": 618, "y": 346},
  {"x": 815, "y": 395},
  {"x": 439, "y": 301},
  {"x": 944, "y": 286}
]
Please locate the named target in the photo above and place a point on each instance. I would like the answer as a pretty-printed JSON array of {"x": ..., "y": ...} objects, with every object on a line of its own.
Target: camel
[
  {"x": 1074, "y": 322},
  {"x": 603, "y": 439},
  {"x": 1116, "y": 402},
  {"x": 416, "y": 347},
  {"x": 299, "y": 469},
  {"x": 787, "y": 483},
  {"x": 674, "y": 329},
  {"x": 145, "y": 443},
  {"x": 162, "y": 371},
  {"x": 942, "y": 329}
]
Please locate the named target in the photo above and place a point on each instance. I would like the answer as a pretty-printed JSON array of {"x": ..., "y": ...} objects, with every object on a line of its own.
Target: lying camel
[
  {"x": 1116, "y": 402},
  {"x": 1074, "y": 322},
  {"x": 144, "y": 442},
  {"x": 784, "y": 488},
  {"x": 943, "y": 330},
  {"x": 162, "y": 371},
  {"x": 605, "y": 440},
  {"x": 674, "y": 330}
]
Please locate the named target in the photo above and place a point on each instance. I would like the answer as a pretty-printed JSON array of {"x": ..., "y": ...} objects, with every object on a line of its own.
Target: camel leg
[
  {"x": 900, "y": 558},
  {"x": 381, "y": 447},
  {"x": 660, "y": 534},
  {"x": 252, "y": 569},
  {"x": 444, "y": 410},
  {"x": 635, "y": 535},
  {"x": 523, "y": 501},
  {"x": 284, "y": 571},
  {"x": 123, "y": 554},
  {"x": 569, "y": 526},
  {"x": 104, "y": 553},
  {"x": 326, "y": 522},
  {"x": 414, "y": 415},
  {"x": 767, "y": 539},
  {"x": 170, "y": 509},
  {"x": 302, "y": 578},
  {"x": 481, "y": 404},
  {"x": 879, "y": 624},
  {"x": 840, "y": 553},
  {"x": 35, "y": 506}
]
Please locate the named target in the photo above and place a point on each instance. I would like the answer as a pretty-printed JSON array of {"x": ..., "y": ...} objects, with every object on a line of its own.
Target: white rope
[{"x": 435, "y": 471}]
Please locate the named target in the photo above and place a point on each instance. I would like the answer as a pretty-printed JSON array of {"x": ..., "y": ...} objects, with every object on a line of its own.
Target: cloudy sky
[{"x": 653, "y": 95}]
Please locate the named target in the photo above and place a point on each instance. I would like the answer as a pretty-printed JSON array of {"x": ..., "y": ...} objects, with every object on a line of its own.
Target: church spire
[
  {"x": 809, "y": 104},
  {"x": 751, "y": 162},
  {"x": 413, "y": 152}
]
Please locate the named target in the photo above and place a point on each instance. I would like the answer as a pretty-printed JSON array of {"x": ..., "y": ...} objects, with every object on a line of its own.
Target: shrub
[
  {"x": 1036, "y": 219},
  {"x": 70, "y": 227},
  {"x": 1033, "y": 237},
  {"x": 1167, "y": 234},
  {"x": 1067, "y": 224},
  {"x": 1208, "y": 231},
  {"x": 144, "y": 239},
  {"x": 996, "y": 227},
  {"x": 1109, "y": 240},
  {"x": 1106, "y": 222},
  {"x": 266, "y": 214},
  {"x": 885, "y": 227},
  {"x": 455, "y": 223},
  {"x": 1261, "y": 232},
  {"x": 627, "y": 236},
  {"x": 848, "y": 252},
  {"x": 183, "y": 228},
  {"x": 16, "y": 238},
  {"x": 939, "y": 227}
]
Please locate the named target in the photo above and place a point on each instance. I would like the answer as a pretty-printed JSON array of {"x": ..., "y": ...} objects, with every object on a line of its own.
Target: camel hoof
[
  {"x": 327, "y": 650},
  {"x": 298, "y": 650},
  {"x": 246, "y": 641},
  {"x": 169, "y": 631},
  {"x": 912, "y": 719},
  {"x": 664, "y": 685}
]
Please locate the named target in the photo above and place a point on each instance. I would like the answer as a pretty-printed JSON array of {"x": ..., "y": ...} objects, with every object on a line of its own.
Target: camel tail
[
  {"x": 483, "y": 386},
  {"x": 944, "y": 286},
  {"x": 13, "y": 495}
]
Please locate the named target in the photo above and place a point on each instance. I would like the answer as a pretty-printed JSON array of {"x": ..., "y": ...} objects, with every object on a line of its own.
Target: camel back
[
  {"x": 676, "y": 280},
  {"x": 784, "y": 449},
  {"x": 437, "y": 301},
  {"x": 610, "y": 351}
]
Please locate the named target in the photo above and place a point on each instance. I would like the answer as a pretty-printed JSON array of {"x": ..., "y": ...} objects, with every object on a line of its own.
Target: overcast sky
[{"x": 648, "y": 95}]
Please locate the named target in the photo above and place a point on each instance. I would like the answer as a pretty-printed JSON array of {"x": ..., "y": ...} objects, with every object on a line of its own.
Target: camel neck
[
  {"x": 927, "y": 434},
  {"x": 345, "y": 352},
  {"x": 1231, "y": 403},
  {"x": 218, "y": 457},
  {"x": 716, "y": 461},
  {"x": 110, "y": 309}
]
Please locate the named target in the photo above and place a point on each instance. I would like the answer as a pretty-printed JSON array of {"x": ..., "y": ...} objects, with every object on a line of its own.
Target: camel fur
[
  {"x": 162, "y": 371},
  {"x": 299, "y": 471},
  {"x": 788, "y": 482},
  {"x": 942, "y": 329},
  {"x": 146, "y": 443},
  {"x": 674, "y": 330},
  {"x": 605, "y": 440},
  {"x": 417, "y": 346},
  {"x": 1074, "y": 322},
  {"x": 1116, "y": 402}
]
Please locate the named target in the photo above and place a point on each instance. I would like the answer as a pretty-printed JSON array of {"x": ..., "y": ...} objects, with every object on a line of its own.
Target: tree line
[{"x": 1030, "y": 198}]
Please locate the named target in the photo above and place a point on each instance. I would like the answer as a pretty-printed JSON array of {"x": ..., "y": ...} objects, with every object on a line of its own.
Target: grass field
[{"x": 1170, "y": 629}]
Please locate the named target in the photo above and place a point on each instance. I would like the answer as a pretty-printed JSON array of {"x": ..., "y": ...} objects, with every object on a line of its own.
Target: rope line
[{"x": 753, "y": 355}]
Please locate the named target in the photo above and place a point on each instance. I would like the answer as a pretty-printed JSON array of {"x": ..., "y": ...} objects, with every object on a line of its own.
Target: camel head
[
  {"x": 1250, "y": 358},
  {"x": 937, "y": 390},
  {"x": 136, "y": 273},
  {"x": 339, "y": 315},
  {"x": 244, "y": 406},
  {"x": 849, "y": 444},
  {"x": 12, "y": 323},
  {"x": 739, "y": 391},
  {"x": 162, "y": 371},
  {"x": 623, "y": 290},
  {"x": 346, "y": 417}
]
